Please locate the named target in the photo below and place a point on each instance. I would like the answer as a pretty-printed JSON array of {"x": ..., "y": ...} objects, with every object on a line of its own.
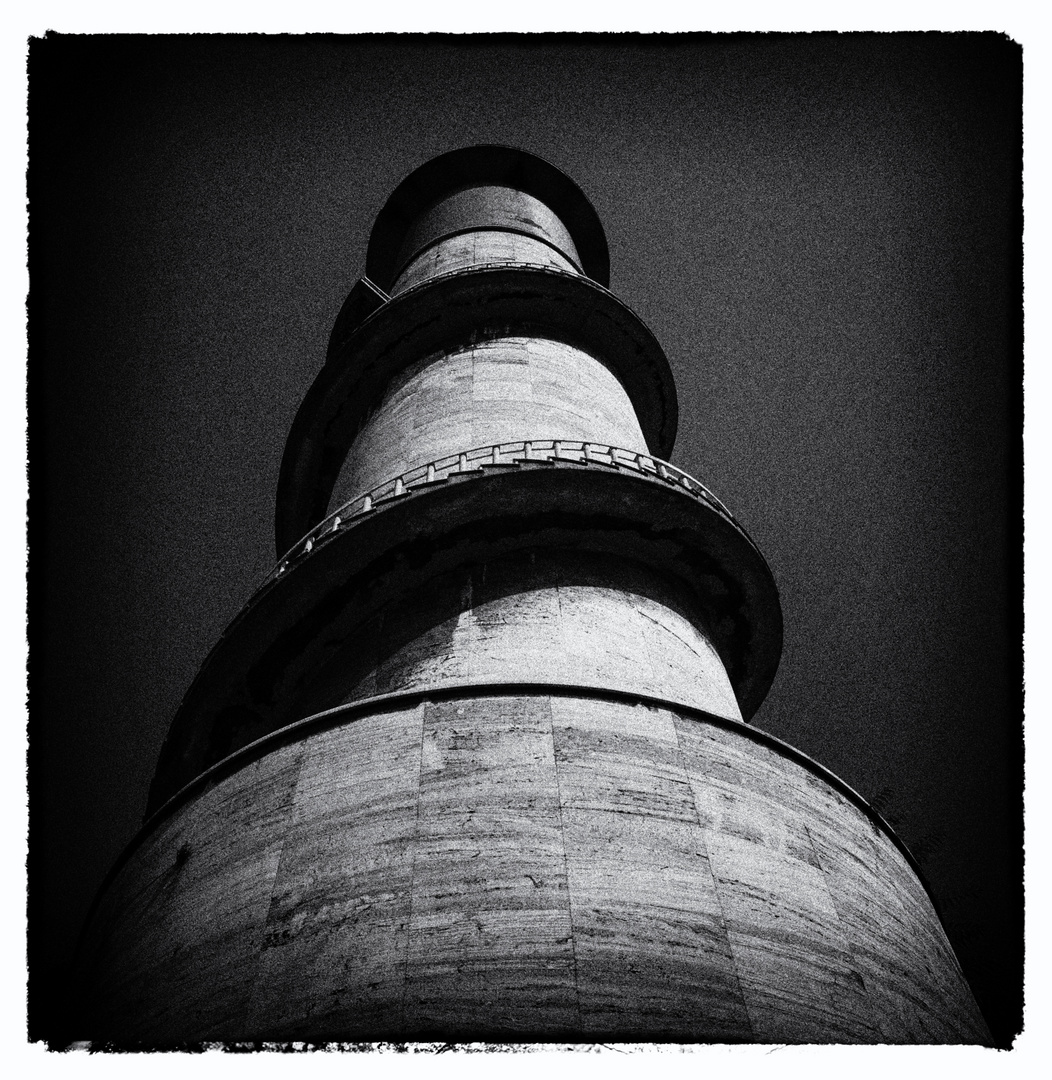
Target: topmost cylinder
[
  {"x": 485, "y": 204},
  {"x": 481, "y": 226}
]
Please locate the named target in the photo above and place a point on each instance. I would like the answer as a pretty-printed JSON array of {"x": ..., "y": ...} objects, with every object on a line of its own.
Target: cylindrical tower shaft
[
  {"x": 473, "y": 763},
  {"x": 480, "y": 225},
  {"x": 513, "y": 388}
]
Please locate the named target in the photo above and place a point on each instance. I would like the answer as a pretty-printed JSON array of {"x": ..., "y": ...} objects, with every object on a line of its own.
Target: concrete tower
[{"x": 474, "y": 761}]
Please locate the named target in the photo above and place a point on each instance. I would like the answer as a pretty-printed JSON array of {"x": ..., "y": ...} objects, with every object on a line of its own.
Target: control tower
[{"x": 474, "y": 762}]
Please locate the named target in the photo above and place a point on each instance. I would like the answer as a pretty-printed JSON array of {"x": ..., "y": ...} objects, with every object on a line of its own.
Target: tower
[{"x": 474, "y": 761}]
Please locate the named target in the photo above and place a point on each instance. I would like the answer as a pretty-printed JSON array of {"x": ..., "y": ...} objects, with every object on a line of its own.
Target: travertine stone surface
[
  {"x": 489, "y": 872},
  {"x": 830, "y": 928},
  {"x": 524, "y": 865},
  {"x": 532, "y": 811},
  {"x": 496, "y": 391},
  {"x": 181, "y": 936},
  {"x": 487, "y": 208},
  {"x": 535, "y": 616},
  {"x": 476, "y": 248},
  {"x": 348, "y": 836}
]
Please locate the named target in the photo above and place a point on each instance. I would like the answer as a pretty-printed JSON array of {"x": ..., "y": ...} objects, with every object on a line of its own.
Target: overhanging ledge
[
  {"x": 252, "y": 679},
  {"x": 443, "y": 312}
]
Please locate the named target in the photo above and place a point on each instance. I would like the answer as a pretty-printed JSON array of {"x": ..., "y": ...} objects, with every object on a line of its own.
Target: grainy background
[{"x": 821, "y": 230}]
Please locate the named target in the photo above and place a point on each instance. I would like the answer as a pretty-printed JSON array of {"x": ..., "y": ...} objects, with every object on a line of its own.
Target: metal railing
[{"x": 539, "y": 452}]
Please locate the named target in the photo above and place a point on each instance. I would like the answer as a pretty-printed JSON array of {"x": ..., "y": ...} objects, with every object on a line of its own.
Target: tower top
[{"x": 473, "y": 166}]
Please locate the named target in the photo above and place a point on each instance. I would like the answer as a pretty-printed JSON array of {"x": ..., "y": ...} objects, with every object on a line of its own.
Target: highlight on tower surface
[{"x": 474, "y": 761}]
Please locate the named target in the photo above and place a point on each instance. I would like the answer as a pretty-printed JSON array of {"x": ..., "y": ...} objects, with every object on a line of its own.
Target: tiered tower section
[{"x": 473, "y": 762}]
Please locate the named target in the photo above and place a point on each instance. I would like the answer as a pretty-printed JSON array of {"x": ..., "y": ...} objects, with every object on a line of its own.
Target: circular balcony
[
  {"x": 531, "y": 452},
  {"x": 445, "y": 312},
  {"x": 480, "y": 504}
]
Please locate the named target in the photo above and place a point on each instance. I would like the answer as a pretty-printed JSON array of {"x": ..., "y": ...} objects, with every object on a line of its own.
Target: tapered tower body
[{"x": 474, "y": 761}]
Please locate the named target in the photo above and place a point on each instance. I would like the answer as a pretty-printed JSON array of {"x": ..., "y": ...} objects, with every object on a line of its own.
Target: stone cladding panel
[
  {"x": 503, "y": 390},
  {"x": 477, "y": 248},
  {"x": 539, "y": 616},
  {"x": 525, "y": 865}
]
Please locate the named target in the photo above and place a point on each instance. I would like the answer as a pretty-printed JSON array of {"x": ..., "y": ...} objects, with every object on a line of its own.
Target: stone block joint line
[{"x": 473, "y": 762}]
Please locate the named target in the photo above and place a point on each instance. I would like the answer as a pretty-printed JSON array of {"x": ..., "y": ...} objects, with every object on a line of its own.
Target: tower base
[{"x": 520, "y": 864}]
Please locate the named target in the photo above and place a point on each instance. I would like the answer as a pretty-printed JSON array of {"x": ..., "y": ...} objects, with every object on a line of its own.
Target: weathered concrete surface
[
  {"x": 523, "y": 865},
  {"x": 496, "y": 391}
]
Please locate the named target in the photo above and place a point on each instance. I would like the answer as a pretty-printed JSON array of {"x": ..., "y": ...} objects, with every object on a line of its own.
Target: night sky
[{"x": 823, "y": 233}]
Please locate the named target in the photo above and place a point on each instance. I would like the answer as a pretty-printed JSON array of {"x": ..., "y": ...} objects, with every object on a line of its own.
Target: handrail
[{"x": 527, "y": 452}]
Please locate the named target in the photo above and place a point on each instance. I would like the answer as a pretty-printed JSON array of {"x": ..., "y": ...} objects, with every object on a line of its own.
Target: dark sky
[{"x": 821, "y": 230}]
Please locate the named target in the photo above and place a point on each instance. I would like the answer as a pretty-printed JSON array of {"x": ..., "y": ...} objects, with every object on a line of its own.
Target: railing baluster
[{"x": 532, "y": 451}]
